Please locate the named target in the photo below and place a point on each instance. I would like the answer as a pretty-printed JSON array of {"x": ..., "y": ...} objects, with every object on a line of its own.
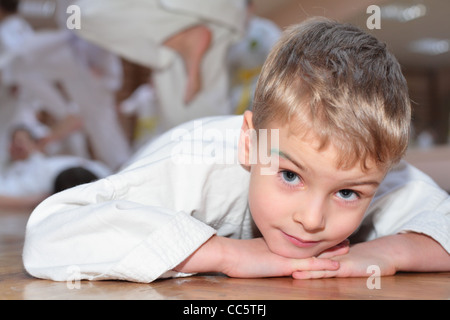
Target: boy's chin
[
  {"x": 316, "y": 251},
  {"x": 298, "y": 253}
]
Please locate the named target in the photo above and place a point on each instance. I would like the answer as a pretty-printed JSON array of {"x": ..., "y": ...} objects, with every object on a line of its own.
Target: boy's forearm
[
  {"x": 207, "y": 258},
  {"x": 249, "y": 258},
  {"x": 416, "y": 253}
]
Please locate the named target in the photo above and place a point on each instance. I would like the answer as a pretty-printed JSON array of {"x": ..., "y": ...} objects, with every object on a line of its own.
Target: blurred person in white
[
  {"x": 22, "y": 100},
  {"x": 48, "y": 57},
  {"x": 105, "y": 65},
  {"x": 30, "y": 175},
  {"x": 247, "y": 57},
  {"x": 184, "y": 42},
  {"x": 12, "y": 30}
]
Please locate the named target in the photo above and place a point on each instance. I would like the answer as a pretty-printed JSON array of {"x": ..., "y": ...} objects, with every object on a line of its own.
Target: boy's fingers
[
  {"x": 314, "y": 264},
  {"x": 337, "y": 250},
  {"x": 304, "y": 275}
]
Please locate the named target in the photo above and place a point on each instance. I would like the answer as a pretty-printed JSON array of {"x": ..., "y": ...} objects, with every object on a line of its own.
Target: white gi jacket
[
  {"x": 37, "y": 174},
  {"x": 175, "y": 194}
]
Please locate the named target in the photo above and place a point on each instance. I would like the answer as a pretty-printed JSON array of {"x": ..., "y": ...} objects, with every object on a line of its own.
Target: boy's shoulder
[
  {"x": 222, "y": 123},
  {"x": 207, "y": 137},
  {"x": 406, "y": 192},
  {"x": 404, "y": 174}
]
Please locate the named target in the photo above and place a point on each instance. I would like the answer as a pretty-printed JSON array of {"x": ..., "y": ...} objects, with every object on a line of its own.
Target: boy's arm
[
  {"x": 103, "y": 236},
  {"x": 250, "y": 259},
  {"x": 411, "y": 252},
  {"x": 91, "y": 231},
  {"x": 415, "y": 252}
]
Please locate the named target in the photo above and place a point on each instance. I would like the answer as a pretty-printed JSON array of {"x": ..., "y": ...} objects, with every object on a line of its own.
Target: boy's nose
[{"x": 311, "y": 215}]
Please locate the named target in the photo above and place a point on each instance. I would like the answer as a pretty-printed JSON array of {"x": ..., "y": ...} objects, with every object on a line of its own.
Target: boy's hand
[
  {"x": 248, "y": 259},
  {"x": 411, "y": 252},
  {"x": 338, "y": 250},
  {"x": 253, "y": 258},
  {"x": 354, "y": 264}
]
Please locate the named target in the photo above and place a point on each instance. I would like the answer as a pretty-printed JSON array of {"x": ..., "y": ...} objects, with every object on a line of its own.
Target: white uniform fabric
[
  {"x": 175, "y": 194},
  {"x": 47, "y": 58},
  {"x": 106, "y": 65},
  {"x": 36, "y": 175},
  {"x": 137, "y": 29},
  {"x": 13, "y": 30},
  {"x": 33, "y": 89}
]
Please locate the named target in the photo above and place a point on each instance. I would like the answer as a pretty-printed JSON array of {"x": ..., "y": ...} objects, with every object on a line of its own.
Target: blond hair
[{"x": 342, "y": 85}]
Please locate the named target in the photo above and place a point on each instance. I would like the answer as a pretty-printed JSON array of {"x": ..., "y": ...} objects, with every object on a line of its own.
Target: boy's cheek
[{"x": 261, "y": 196}]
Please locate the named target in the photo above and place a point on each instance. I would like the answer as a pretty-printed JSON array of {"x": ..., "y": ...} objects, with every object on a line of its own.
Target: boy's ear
[{"x": 245, "y": 139}]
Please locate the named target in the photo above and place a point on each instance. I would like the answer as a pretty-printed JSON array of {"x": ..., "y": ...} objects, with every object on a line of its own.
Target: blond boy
[{"x": 337, "y": 104}]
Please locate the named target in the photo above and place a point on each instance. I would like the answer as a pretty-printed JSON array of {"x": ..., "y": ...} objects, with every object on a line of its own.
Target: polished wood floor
[{"x": 16, "y": 284}]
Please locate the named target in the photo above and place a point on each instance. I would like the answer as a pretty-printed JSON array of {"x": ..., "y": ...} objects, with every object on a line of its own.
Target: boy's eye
[
  {"x": 290, "y": 178},
  {"x": 347, "y": 195}
]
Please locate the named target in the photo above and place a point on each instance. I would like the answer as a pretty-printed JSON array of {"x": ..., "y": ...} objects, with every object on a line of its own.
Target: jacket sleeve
[
  {"x": 93, "y": 232},
  {"x": 408, "y": 201}
]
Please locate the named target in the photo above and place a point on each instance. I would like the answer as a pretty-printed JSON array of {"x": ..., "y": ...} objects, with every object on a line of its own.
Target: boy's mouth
[{"x": 299, "y": 242}]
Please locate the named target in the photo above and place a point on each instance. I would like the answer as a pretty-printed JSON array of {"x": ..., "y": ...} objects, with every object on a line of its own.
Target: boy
[{"x": 335, "y": 106}]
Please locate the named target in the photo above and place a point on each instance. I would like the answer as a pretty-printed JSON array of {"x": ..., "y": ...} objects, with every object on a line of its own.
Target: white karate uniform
[
  {"x": 137, "y": 29},
  {"x": 12, "y": 32},
  {"x": 48, "y": 57},
  {"x": 106, "y": 66},
  {"x": 17, "y": 65},
  {"x": 36, "y": 175},
  {"x": 177, "y": 192}
]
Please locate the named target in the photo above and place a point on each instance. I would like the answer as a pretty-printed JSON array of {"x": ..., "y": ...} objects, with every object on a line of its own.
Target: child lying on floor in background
[{"x": 31, "y": 175}]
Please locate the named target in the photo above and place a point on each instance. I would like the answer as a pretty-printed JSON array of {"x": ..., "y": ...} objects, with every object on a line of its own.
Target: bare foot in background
[{"x": 192, "y": 45}]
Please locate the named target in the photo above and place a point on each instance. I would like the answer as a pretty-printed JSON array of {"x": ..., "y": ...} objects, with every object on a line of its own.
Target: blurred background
[{"x": 416, "y": 31}]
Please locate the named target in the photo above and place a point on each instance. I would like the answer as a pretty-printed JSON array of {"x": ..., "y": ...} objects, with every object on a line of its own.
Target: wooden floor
[{"x": 16, "y": 284}]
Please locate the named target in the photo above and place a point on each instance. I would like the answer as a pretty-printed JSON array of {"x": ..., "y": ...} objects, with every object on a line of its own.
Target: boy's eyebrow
[
  {"x": 303, "y": 168},
  {"x": 362, "y": 183},
  {"x": 286, "y": 156}
]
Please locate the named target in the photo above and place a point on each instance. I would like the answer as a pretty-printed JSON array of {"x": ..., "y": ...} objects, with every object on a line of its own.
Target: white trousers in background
[{"x": 137, "y": 29}]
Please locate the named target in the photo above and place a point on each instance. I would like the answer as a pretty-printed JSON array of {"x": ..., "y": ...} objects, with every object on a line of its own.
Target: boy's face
[{"x": 308, "y": 205}]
